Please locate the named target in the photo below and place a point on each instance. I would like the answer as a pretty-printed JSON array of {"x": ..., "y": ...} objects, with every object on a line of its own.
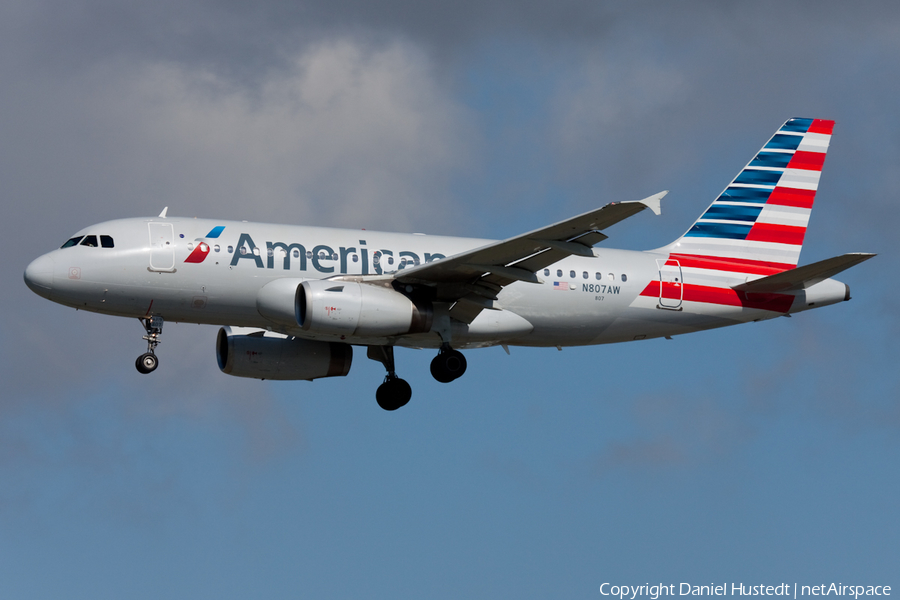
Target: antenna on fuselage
[{"x": 163, "y": 213}]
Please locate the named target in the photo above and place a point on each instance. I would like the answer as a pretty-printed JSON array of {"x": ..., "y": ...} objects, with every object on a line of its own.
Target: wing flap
[{"x": 468, "y": 307}]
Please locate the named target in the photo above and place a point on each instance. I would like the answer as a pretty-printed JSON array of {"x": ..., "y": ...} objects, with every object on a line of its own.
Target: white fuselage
[{"x": 156, "y": 268}]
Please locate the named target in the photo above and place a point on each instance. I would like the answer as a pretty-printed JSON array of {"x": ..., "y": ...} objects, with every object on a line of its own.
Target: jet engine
[
  {"x": 359, "y": 309},
  {"x": 266, "y": 355}
]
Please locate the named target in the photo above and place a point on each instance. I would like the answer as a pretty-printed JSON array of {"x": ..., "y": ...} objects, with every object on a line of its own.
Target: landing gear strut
[
  {"x": 448, "y": 365},
  {"x": 147, "y": 362},
  {"x": 394, "y": 392}
]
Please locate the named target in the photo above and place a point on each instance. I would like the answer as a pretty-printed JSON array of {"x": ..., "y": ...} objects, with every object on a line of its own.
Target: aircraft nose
[{"x": 39, "y": 275}]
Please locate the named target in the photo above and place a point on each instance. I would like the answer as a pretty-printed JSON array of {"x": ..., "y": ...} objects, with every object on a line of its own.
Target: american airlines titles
[{"x": 323, "y": 257}]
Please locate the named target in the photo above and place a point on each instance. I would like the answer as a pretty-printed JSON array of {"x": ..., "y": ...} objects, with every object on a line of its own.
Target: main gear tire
[
  {"x": 448, "y": 366},
  {"x": 394, "y": 393}
]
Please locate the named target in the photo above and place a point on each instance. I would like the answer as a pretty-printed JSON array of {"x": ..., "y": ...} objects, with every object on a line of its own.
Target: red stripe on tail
[
  {"x": 781, "y": 196},
  {"x": 779, "y": 234},
  {"x": 821, "y": 126},
  {"x": 811, "y": 161}
]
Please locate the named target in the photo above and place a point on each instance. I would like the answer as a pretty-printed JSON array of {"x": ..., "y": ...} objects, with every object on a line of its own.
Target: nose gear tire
[{"x": 146, "y": 363}]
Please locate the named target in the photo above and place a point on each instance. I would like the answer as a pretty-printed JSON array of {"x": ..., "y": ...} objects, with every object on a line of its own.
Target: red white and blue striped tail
[{"x": 757, "y": 225}]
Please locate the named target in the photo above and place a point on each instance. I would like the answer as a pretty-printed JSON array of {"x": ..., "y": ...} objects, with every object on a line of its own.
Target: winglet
[
  {"x": 162, "y": 215},
  {"x": 653, "y": 202}
]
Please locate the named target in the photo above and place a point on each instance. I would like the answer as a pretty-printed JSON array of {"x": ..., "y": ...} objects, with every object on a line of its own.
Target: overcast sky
[{"x": 762, "y": 453}]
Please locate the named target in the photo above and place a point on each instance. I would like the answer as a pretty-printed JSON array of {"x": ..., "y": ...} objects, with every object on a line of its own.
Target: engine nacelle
[
  {"x": 278, "y": 301},
  {"x": 359, "y": 309},
  {"x": 264, "y": 355}
]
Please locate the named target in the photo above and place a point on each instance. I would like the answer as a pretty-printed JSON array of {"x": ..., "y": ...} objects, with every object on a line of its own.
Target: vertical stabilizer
[{"x": 757, "y": 224}]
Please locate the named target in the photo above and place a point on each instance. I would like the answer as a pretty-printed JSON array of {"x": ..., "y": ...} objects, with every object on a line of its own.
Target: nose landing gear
[{"x": 147, "y": 362}]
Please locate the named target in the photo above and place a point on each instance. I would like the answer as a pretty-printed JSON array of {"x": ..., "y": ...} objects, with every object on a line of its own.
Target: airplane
[{"x": 292, "y": 301}]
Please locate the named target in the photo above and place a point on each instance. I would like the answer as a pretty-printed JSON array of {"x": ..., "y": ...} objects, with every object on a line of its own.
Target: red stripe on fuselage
[
  {"x": 780, "y": 303},
  {"x": 737, "y": 265}
]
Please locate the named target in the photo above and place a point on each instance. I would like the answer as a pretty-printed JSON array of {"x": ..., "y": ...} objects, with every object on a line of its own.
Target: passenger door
[
  {"x": 671, "y": 284},
  {"x": 162, "y": 247}
]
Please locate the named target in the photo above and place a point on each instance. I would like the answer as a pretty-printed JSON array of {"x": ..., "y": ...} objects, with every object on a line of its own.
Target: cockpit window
[{"x": 90, "y": 241}]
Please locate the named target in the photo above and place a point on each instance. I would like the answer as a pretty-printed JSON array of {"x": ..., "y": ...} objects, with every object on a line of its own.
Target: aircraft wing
[
  {"x": 805, "y": 276},
  {"x": 472, "y": 279}
]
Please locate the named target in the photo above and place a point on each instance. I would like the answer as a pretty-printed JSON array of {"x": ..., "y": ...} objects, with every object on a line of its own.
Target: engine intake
[
  {"x": 359, "y": 309},
  {"x": 264, "y": 355}
]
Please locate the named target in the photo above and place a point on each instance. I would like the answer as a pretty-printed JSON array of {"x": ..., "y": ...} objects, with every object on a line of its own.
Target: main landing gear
[
  {"x": 147, "y": 362},
  {"x": 394, "y": 392},
  {"x": 448, "y": 365}
]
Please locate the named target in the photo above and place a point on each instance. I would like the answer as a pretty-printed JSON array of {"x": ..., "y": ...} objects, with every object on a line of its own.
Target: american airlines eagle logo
[{"x": 198, "y": 255}]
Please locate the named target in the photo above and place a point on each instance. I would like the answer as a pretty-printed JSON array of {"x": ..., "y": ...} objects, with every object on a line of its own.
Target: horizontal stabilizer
[{"x": 805, "y": 276}]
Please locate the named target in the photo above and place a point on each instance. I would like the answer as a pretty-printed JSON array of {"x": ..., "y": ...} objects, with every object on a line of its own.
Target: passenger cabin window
[
  {"x": 106, "y": 242},
  {"x": 572, "y": 274},
  {"x": 624, "y": 277},
  {"x": 72, "y": 242},
  {"x": 90, "y": 241},
  {"x": 559, "y": 272},
  {"x": 599, "y": 276},
  {"x": 584, "y": 275},
  {"x": 546, "y": 272}
]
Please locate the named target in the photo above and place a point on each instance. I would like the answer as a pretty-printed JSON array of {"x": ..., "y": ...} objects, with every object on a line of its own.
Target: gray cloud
[
  {"x": 350, "y": 134},
  {"x": 241, "y": 38}
]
